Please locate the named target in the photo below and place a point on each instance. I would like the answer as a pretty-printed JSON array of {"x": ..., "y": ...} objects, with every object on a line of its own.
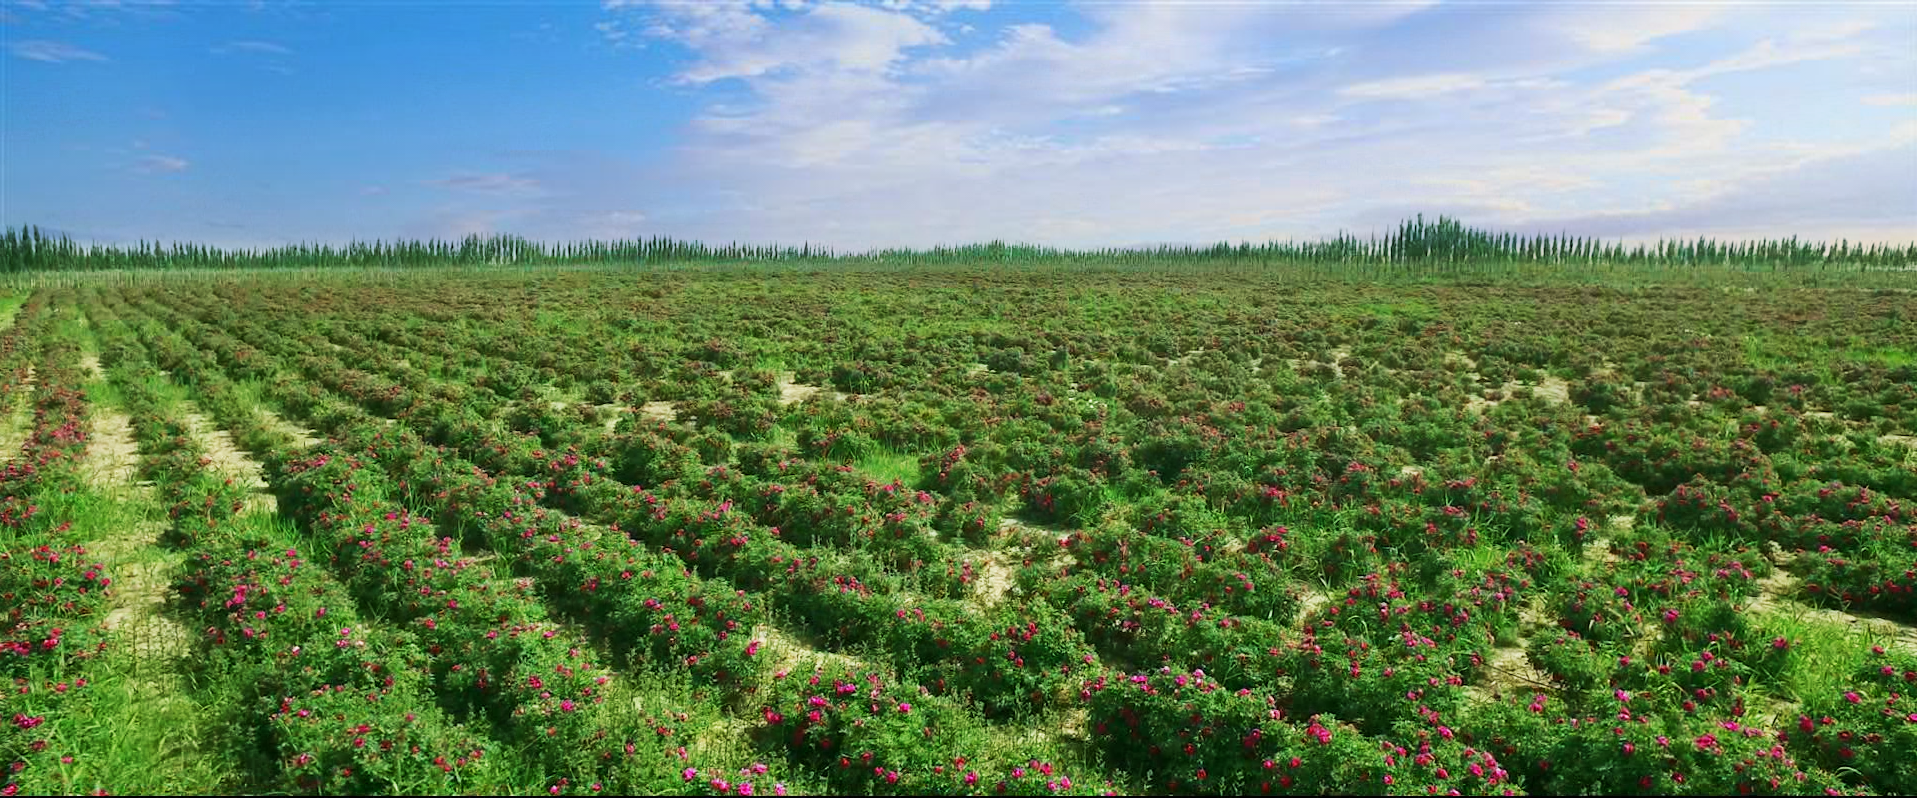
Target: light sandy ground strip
[
  {"x": 19, "y": 420},
  {"x": 139, "y": 571},
  {"x": 226, "y": 458},
  {"x": 1774, "y": 597},
  {"x": 301, "y": 435},
  {"x": 112, "y": 460}
]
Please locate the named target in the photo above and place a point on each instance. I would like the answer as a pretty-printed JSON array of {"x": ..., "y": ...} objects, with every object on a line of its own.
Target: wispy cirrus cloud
[
  {"x": 256, "y": 47},
  {"x": 491, "y": 183},
  {"x": 52, "y": 52},
  {"x": 161, "y": 164}
]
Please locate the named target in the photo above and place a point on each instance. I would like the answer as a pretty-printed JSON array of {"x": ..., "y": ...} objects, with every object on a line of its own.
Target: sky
[{"x": 885, "y": 123}]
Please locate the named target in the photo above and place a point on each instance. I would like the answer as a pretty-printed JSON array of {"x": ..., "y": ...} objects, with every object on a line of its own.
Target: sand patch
[
  {"x": 791, "y": 392},
  {"x": 1309, "y": 603},
  {"x": 91, "y": 363},
  {"x": 139, "y": 594},
  {"x": 19, "y": 420},
  {"x": 794, "y": 657},
  {"x": 300, "y": 435},
  {"x": 1507, "y": 670},
  {"x": 1552, "y": 390},
  {"x": 1182, "y": 359},
  {"x": 1301, "y": 366},
  {"x": 611, "y": 414},
  {"x": 659, "y": 411},
  {"x": 222, "y": 453},
  {"x": 226, "y": 458},
  {"x": 1774, "y": 596},
  {"x": 112, "y": 457},
  {"x": 993, "y": 576}
]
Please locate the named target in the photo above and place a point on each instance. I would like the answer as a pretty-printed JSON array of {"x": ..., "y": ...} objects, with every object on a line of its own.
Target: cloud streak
[
  {"x": 492, "y": 184},
  {"x": 52, "y": 52},
  {"x": 255, "y": 47},
  {"x": 161, "y": 164}
]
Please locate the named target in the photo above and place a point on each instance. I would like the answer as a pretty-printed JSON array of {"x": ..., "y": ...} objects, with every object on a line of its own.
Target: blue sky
[{"x": 918, "y": 122}]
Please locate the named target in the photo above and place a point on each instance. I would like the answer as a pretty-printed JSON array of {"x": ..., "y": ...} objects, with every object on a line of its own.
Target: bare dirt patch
[
  {"x": 1310, "y": 602},
  {"x": 993, "y": 576},
  {"x": 112, "y": 459},
  {"x": 91, "y": 363},
  {"x": 1507, "y": 668},
  {"x": 659, "y": 411},
  {"x": 139, "y": 594},
  {"x": 301, "y": 435},
  {"x": 1185, "y": 358},
  {"x": 611, "y": 412},
  {"x": 1553, "y": 390},
  {"x": 19, "y": 420},
  {"x": 226, "y": 457},
  {"x": 791, "y": 655},
  {"x": 1775, "y": 594},
  {"x": 1302, "y": 366},
  {"x": 1024, "y": 542},
  {"x": 1508, "y": 671},
  {"x": 791, "y": 392},
  {"x": 1598, "y": 551}
]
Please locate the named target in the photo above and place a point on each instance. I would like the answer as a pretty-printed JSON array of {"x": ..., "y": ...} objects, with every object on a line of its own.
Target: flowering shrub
[{"x": 1188, "y": 494}]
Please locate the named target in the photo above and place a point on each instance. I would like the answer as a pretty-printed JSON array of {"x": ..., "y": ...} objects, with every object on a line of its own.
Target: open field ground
[{"x": 964, "y": 530}]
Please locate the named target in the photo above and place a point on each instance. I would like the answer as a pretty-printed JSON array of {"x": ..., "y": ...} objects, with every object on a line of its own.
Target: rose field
[{"x": 970, "y": 528}]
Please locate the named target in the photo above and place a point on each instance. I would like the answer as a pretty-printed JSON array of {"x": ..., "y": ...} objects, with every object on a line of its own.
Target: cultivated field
[{"x": 957, "y": 530}]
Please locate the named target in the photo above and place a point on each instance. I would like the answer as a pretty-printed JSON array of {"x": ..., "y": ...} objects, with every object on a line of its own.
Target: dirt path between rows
[
  {"x": 226, "y": 458},
  {"x": 19, "y": 420}
]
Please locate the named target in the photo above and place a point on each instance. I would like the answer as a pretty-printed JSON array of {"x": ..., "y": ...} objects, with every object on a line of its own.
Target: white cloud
[
  {"x": 1864, "y": 195},
  {"x": 1896, "y": 100},
  {"x": 264, "y": 48},
  {"x": 161, "y": 164},
  {"x": 53, "y": 52},
  {"x": 1619, "y": 29},
  {"x": 737, "y": 42},
  {"x": 1204, "y": 121},
  {"x": 496, "y": 183},
  {"x": 1412, "y": 88}
]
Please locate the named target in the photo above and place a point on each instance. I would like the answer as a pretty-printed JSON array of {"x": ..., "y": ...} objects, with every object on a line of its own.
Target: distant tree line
[{"x": 1415, "y": 242}]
